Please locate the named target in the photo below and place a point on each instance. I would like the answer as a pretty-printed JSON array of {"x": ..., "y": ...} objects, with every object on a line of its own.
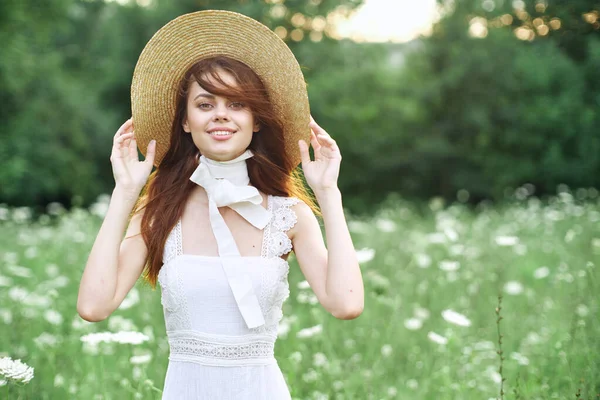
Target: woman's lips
[{"x": 221, "y": 135}]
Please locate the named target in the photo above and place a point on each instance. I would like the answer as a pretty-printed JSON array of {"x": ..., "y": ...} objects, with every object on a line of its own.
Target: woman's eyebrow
[{"x": 205, "y": 95}]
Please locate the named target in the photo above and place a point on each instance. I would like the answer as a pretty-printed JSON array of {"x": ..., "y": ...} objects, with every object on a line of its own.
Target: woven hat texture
[{"x": 191, "y": 37}]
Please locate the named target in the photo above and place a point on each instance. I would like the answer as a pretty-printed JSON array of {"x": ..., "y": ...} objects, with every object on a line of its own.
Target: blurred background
[
  {"x": 475, "y": 124},
  {"x": 471, "y": 98}
]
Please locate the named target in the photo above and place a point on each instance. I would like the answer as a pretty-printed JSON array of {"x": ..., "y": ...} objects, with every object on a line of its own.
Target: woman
[{"x": 225, "y": 103}]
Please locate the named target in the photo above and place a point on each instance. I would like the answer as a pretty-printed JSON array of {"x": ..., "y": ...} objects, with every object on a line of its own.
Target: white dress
[{"x": 213, "y": 354}]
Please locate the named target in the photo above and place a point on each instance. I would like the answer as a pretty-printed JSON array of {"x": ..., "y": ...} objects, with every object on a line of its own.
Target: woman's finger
[
  {"x": 304, "y": 154},
  {"x": 316, "y": 146},
  {"x": 133, "y": 154},
  {"x": 123, "y": 128},
  {"x": 150, "y": 153}
]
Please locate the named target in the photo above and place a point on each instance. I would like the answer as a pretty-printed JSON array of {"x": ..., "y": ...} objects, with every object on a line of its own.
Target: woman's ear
[
  {"x": 185, "y": 126},
  {"x": 256, "y": 127}
]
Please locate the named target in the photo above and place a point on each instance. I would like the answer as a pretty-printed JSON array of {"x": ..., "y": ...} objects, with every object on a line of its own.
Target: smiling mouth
[{"x": 221, "y": 133}]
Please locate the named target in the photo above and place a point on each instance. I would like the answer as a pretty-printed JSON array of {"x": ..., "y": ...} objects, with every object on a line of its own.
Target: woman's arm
[
  {"x": 334, "y": 273},
  {"x": 114, "y": 263}
]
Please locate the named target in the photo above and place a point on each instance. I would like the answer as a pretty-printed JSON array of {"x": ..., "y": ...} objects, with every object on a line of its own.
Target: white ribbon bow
[{"x": 226, "y": 184}]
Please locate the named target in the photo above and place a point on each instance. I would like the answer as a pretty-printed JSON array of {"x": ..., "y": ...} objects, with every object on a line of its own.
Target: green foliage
[
  {"x": 430, "y": 117},
  {"x": 416, "y": 265}
]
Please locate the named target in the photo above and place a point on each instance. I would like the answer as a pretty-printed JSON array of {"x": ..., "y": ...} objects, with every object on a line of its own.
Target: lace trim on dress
[
  {"x": 276, "y": 242},
  {"x": 171, "y": 285},
  {"x": 173, "y": 245},
  {"x": 275, "y": 290},
  {"x": 209, "y": 349}
]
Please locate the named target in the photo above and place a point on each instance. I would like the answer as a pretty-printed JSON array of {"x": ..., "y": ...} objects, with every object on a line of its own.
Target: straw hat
[{"x": 195, "y": 36}]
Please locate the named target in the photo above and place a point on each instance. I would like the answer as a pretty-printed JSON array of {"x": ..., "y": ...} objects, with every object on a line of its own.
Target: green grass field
[{"x": 433, "y": 275}]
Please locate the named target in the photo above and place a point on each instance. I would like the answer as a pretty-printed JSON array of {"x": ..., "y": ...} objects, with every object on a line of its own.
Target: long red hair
[{"x": 271, "y": 170}]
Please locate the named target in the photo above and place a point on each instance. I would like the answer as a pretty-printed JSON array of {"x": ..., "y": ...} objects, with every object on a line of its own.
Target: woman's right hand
[{"x": 129, "y": 172}]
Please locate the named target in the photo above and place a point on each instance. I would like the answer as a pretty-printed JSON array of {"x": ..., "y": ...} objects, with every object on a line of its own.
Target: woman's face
[{"x": 221, "y": 129}]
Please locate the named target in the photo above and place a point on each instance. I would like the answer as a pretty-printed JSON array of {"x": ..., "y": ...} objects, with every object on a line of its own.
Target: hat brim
[{"x": 191, "y": 37}]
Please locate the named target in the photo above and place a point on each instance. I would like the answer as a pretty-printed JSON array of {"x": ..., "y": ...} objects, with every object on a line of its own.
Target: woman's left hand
[{"x": 322, "y": 173}]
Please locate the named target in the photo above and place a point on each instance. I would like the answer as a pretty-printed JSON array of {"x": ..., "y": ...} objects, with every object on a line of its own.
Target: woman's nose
[{"x": 221, "y": 112}]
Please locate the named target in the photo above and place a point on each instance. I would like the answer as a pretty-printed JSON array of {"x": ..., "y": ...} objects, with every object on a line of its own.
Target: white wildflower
[
  {"x": 36, "y": 300},
  {"x": 310, "y": 376},
  {"x": 59, "y": 380},
  {"x": 378, "y": 280},
  {"x": 302, "y": 297},
  {"x": 434, "y": 337},
  {"x": 53, "y": 316},
  {"x": 392, "y": 391},
  {"x": 412, "y": 384},
  {"x": 80, "y": 324},
  {"x": 541, "y": 273},
  {"x": 309, "y": 332},
  {"x": 15, "y": 370},
  {"x": 386, "y": 225},
  {"x": 100, "y": 207},
  {"x": 283, "y": 328},
  {"x": 413, "y": 324},
  {"x": 17, "y": 293},
  {"x": 11, "y": 258},
  {"x": 5, "y": 281},
  {"x": 136, "y": 373},
  {"x": 119, "y": 323},
  {"x": 303, "y": 285},
  {"x": 520, "y": 358},
  {"x": 320, "y": 360},
  {"x": 582, "y": 310},
  {"x": 386, "y": 350},
  {"x": 6, "y": 315},
  {"x": 296, "y": 357},
  {"x": 19, "y": 271},
  {"x": 455, "y": 318},
  {"x": 446, "y": 265},
  {"x": 132, "y": 298},
  {"x": 507, "y": 240},
  {"x": 451, "y": 234},
  {"x": 493, "y": 374},
  {"x": 52, "y": 270},
  {"x": 421, "y": 313},
  {"x": 22, "y": 214},
  {"x": 484, "y": 345},
  {"x": 316, "y": 395},
  {"x": 513, "y": 287},
  {"x": 123, "y": 337},
  {"x": 141, "y": 359},
  {"x": 423, "y": 260},
  {"x": 358, "y": 227},
  {"x": 365, "y": 255},
  {"x": 46, "y": 339},
  {"x": 436, "y": 238},
  {"x": 31, "y": 252}
]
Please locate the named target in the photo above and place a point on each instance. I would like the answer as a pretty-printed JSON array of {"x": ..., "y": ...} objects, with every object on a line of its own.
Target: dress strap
[
  {"x": 173, "y": 245},
  {"x": 276, "y": 242}
]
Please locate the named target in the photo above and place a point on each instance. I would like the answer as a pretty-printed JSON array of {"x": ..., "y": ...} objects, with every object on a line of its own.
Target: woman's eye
[
  {"x": 237, "y": 104},
  {"x": 204, "y": 106}
]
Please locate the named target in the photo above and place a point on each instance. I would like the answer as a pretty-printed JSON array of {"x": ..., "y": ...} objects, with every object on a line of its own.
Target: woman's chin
[{"x": 222, "y": 154}]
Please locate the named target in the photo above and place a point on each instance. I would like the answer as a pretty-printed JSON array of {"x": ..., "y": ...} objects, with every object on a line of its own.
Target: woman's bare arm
[{"x": 114, "y": 265}]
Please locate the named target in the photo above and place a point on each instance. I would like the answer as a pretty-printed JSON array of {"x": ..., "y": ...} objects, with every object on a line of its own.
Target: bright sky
[{"x": 389, "y": 20}]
